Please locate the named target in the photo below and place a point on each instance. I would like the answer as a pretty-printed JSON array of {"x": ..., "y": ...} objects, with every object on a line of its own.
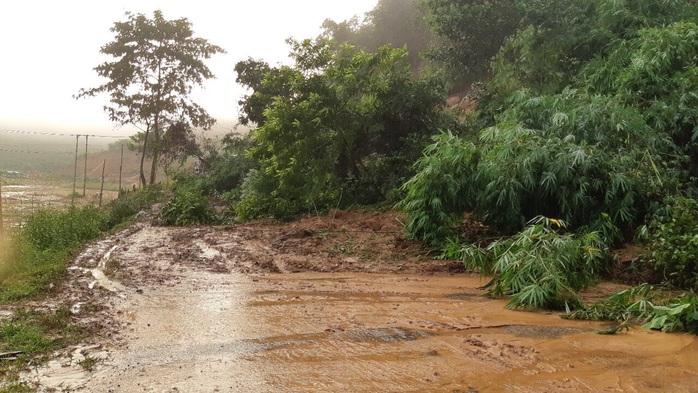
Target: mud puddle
[
  {"x": 197, "y": 311},
  {"x": 368, "y": 332}
]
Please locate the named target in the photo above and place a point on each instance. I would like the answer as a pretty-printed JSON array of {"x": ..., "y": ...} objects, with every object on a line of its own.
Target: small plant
[
  {"x": 630, "y": 304},
  {"x": 643, "y": 303},
  {"x": 680, "y": 314},
  {"x": 33, "y": 334},
  {"x": 63, "y": 229},
  {"x": 348, "y": 247},
  {"x": 616, "y": 329},
  {"x": 539, "y": 267},
  {"x": 22, "y": 337},
  {"x": 89, "y": 363},
  {"x": 125, "y": 208},
  {"x": 16, "y": 386}
]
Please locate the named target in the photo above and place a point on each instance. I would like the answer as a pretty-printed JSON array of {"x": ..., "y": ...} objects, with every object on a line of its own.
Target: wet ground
[
  {"x": 20, "y": 200},
  {"x": 249, "y": 309}
]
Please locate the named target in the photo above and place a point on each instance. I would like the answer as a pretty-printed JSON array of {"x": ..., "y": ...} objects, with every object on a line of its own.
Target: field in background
[
  {"x": 38, "y": 169},
  {"x": 21, "y": 199},
  {"x": 39, "y": 172}
]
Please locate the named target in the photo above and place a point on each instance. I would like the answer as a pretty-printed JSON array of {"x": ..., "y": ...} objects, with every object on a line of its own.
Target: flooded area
[
  {"x": 370, "y": 332},
  {"x": 231, "y": 310},
  {"x": 20, "y": 200}
]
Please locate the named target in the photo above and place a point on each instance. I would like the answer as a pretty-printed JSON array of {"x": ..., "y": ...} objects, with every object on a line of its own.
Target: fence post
[
  {"x": 75, "y": 174},
  {"x": 121, "y": 168},
  {"x": 84, "y": 179},
  {"x": 101, "y": 188}
]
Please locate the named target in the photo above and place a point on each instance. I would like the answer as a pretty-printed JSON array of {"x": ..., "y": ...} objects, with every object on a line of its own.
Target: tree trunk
[
  {"x": 145, "y": 147},
  {"x": 154, "y": 166},
  {"x": 155, "y": 148}
]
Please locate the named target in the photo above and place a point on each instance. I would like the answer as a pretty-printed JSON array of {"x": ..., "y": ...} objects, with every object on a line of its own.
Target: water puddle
[
  {"x": 545, "y": 331},
  {"x": 387, "y": 335},
  {"x": 100, "y": 278}
]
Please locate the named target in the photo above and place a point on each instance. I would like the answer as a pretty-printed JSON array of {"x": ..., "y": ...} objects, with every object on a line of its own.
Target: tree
[
  {"x": 265, "y": 82},
  {"x": 178, "y": 143},
  {"x": 470, "y": 32},
  {"x": 335, "y": 120},
  {"x": 398, "y": 23},
  {"x": 158, "y": 63}
]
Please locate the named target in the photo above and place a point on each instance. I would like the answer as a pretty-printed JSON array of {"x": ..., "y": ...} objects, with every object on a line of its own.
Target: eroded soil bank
[{"x": 328, "y": 305}]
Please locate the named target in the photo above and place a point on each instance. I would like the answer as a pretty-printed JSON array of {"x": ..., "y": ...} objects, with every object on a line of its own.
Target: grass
[
  {"x": 34, "y": 257},
  {"x": 35, "y": 334}
]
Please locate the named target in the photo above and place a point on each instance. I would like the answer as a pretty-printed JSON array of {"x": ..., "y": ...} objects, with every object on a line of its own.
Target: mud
[
  {"x": 328, "y": 305},
  {"x": 21, "y": 200}
]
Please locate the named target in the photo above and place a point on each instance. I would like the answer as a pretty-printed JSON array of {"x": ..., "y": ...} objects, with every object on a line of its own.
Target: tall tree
[
  {"x": 398, "y": 23},
  {"x": 158, "y": 63},
  {"x": 332, "y": 123},
  {"x": 470, "y": 32}
]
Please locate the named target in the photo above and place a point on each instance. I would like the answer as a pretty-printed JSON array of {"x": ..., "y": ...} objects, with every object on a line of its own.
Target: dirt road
[{"x": 328, "y": 305}]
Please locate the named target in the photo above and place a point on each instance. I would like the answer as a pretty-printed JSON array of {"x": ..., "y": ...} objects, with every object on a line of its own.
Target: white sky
[{"x": 49, "y": 49}]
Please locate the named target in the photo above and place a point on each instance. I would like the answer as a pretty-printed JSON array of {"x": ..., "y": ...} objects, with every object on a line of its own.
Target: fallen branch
[{"x": 10, "y": 355}]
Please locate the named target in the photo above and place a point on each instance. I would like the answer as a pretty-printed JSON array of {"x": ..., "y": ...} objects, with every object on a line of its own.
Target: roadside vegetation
[{"x": 32, "y": 263}]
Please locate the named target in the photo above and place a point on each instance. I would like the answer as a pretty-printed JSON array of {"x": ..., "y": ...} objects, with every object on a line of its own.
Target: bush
[
  {"x": 672, "y": 241},
  {"x": 223, "y": 167},
  {"x": 539, "y": 267},
  {"x": 634, "y": 303},
  {"x": 188, "y": 206},
  {"x": 439, "y": 193},
  {"x": 557, "y": 156},
  {"x": 126, "y": 207}
]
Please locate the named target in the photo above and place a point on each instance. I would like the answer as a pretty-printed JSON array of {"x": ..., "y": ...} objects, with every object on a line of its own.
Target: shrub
[
  {"x": 680, "y": 314},
  {"x": 188, "y": 206},
  {"x": 126, "y": 207},
  {"x": 672, "y": 241},
  {"x": 223, "y": 167},
  {"x": 539, "y": 267},
  {"x": 557, "y": 156},
  {"x": 634, "y": 303},
  {"x": 438, "y": 194}
]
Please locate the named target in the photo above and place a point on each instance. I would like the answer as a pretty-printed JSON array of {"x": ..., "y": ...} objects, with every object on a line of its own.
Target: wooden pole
[
  {"x": 121, "y": 168},
  {"x": 101, "y": 188},
  {"x": 75, "y": 174},
  {"x": 84, "y": 179}
]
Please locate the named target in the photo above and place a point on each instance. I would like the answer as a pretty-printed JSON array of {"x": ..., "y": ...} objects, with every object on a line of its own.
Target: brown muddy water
[{"x": 355, "y": 332}]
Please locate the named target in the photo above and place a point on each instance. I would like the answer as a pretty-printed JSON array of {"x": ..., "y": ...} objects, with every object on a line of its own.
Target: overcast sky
[{"x": 49, "y": 49}]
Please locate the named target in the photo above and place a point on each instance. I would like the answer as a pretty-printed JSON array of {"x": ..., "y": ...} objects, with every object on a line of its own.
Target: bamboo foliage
[
  {"x": 540, "y": 267},
  {"x": 599, "y": 150}
]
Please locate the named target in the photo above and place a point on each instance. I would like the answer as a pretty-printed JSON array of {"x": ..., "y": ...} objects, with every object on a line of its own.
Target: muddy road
[{"x": 339, "y": 304}]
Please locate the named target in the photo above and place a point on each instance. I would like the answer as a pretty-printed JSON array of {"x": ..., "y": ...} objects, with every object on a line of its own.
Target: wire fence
[{"x": 45, "y": 180}]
